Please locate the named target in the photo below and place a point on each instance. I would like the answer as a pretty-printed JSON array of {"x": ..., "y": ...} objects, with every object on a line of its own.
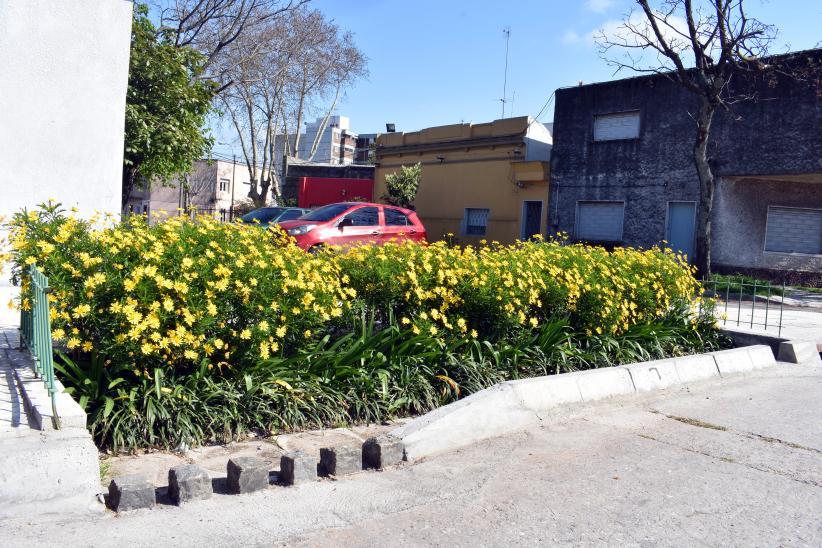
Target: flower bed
[{"x": 189, "y": 331}]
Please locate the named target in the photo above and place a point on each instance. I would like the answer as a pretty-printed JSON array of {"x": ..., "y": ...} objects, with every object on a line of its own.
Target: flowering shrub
[
  {"x": 492, "y": 290},
  {"x": 194, "y": 330},
  {"x": 178, "y": 294}
]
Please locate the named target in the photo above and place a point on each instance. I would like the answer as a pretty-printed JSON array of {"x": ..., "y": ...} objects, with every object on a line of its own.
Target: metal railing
[
  {"x": 35, "y": 333},
  {"x": 746, "y": 304}
]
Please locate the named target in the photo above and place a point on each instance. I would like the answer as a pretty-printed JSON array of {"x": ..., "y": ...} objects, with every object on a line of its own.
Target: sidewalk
[
  {"x": 14, "y": 420},
  {"x": 797, "y": 324}
]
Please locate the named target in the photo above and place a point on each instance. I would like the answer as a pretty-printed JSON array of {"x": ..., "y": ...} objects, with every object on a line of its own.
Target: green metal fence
[
  {"x": 35, "y": 333},
  {"x": 746, "y": 304}
]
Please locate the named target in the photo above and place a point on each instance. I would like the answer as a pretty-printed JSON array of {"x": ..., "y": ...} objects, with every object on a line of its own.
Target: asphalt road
[{"x": 728, "y": 462}]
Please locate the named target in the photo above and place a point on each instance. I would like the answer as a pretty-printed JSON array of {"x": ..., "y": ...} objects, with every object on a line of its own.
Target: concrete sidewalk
[
  {"x": 731, "y": 461},
  {"x": 797, "y": 324}
]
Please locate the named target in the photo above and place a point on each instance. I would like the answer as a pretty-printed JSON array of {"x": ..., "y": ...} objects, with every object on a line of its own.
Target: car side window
[
  {"x": 395, "y": 217},
  {"x": 365, "y": 216}
]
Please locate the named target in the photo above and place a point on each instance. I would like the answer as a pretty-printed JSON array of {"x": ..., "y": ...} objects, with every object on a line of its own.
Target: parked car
[
  {"x": 353, "y": 223},
  {"x": 272, "y": 215}
]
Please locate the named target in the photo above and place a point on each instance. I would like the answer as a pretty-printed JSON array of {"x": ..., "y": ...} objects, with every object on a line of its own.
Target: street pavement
[{"x": 735, "y": 461}]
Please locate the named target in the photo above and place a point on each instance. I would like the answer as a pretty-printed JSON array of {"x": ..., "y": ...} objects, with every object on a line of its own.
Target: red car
[{"x": 354, "y": 223}]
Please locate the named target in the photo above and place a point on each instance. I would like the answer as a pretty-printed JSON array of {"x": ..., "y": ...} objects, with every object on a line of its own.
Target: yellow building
[{"x": 479, "y": 181}]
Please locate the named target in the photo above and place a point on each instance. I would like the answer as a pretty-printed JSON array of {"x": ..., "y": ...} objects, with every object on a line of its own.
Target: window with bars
[
  {"x": 475, "y": 221},
  {"x": 224, "y": 185}
]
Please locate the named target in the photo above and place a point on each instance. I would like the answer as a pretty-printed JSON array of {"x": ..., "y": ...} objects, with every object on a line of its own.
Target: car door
[
  {"x": 359, "y": 226},
  {"x": 398, "y": 226}
]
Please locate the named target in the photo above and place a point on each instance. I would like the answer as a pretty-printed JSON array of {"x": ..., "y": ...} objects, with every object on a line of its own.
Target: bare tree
[
  {"x": 198, "y": 188},
  {"x": 284, "y": 67},
  {"x": 704, "y": 46},
  {"x": 211, "y": 26}
]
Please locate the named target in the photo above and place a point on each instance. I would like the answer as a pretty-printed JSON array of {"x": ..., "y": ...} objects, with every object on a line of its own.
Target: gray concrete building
[{"x": 622, "y": 171}]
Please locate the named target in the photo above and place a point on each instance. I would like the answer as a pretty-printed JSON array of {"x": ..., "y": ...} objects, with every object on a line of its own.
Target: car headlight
[{"x": 298, "y": 230}]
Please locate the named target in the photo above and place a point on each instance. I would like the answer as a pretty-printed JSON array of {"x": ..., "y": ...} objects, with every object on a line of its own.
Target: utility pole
[
  {"x": 233, "y": 171},
  {"x": 507, "y": 32}
]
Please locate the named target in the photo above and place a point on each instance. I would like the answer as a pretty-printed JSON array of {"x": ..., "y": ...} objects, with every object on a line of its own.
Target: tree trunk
[
  {"x": 706, "y": 188},
  {"x": 129, "y": 177}
]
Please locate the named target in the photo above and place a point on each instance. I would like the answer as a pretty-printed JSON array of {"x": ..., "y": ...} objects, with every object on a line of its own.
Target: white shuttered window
[
  {"x": 794, "y": 230},
  {"x": 614, "y": 127},
  {"x": 600, "y": 221},
  {"x": 475, "y": 221}
]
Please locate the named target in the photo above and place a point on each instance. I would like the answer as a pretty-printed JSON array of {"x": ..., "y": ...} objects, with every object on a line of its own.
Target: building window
[
  {"x": 794, "y": 230},
  {"x": 224, "y": 185},
  {"x": 475, "y": 221},
  {"x": 599, "y": 221},
  {"x": 617, "y": 126}
]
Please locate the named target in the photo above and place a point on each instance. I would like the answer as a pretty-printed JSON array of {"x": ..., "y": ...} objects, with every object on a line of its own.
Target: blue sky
[{"x": 435, "y": 62}]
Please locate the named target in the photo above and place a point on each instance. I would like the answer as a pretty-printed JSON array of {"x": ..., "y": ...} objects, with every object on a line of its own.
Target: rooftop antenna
[{"x": 507, "y": 32}]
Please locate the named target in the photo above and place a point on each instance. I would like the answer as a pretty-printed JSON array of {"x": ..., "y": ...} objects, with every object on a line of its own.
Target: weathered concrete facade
[{"x": 765, "y": 153}]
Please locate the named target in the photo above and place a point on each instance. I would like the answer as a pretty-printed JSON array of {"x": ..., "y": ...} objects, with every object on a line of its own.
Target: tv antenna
[{"x": 507, "y": 32}]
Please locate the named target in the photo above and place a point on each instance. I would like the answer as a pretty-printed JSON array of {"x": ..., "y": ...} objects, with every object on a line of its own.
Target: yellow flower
[
  {"x": 281, "y": 331},
  {"x": 307, "y": 333},
  {"x": 87, "y": 346},
  {"x": 405, "y": 321},
  {"x": 245, "y": 334},
  {"x": 73, "y": 343},
  {"x": 82, "y": 310},
  {"x": 190, "y": 354}
]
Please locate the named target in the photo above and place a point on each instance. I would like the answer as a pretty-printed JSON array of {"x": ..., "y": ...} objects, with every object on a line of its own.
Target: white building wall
[{"x": 64, "y": 68}]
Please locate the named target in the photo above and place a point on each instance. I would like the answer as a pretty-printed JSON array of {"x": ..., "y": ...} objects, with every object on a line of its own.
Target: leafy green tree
[
  {"x": 401, "y": 187},
  {"x": 166, "y": 107}
]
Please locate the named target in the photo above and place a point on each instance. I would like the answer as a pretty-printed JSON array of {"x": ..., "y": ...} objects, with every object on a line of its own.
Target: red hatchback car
[{"x": 354, "y": 223}]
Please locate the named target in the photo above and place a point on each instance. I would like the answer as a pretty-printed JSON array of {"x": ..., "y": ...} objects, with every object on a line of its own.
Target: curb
[
  {"x": 804, "y": 352},
  {"x": 514, "y": 405},
  {"x": 37, "y": 400}
]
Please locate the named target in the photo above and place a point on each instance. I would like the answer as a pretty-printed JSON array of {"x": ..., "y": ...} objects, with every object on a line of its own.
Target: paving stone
[
  {"x": 297, "y": 467},
  {"x": 381, "y": 452},
  {"x": 339, "y": 461},
  {"x": 188, "y": 482},
  {"x": 247, "y": 474},
  {"x": 130, "y": 492}
]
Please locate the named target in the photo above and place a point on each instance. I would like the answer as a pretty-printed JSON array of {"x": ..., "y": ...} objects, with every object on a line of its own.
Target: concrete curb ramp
[
  {"x": 515, "y": 405},
  {"x": 805, "y": 352}
]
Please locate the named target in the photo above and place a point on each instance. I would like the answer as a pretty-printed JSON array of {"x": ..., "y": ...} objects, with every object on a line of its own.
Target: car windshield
[
  {"x": 263, "y": 215},
  {"x": 325, "y": 213}
]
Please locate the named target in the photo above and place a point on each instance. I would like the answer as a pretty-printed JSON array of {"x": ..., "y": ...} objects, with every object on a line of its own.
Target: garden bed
[{"x": 194, "y": 331}]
